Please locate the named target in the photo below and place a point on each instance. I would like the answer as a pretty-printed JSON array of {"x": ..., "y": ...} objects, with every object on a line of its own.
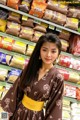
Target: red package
[
  {"x": 6, "y": 43},
  {"x": 13, "y": 3},
  {"x": 78, "y": 93},
  {"x": 64, "y": 60},
  {"x": 37, "y": 9},
  {"x": 75, "y": 45},
  {"x": 65, "y": 73}
]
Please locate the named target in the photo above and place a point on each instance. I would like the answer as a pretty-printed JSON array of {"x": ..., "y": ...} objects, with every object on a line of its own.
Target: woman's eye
[
  {"x": 53, "y": 51},
  {"x": 44, "y": 50}
]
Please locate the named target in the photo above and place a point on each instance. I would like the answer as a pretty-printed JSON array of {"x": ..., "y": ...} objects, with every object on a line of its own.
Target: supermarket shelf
[
  {"x": 71, "y": 83},
  {"x": 71, "y": 99},
  {"x": 17, "y": 38},
  {"x": 5, "y": 83},
  {"x": 69, "y": 69},
  {"x": 39, "y": 19},
  {"x": 8, "y": 67},
  {"x": 13, "y": 53},
  {"x": 69, "y": 54}
]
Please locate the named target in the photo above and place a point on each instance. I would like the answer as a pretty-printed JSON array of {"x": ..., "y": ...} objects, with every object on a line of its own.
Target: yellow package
[{"x": 3, "y": 25}]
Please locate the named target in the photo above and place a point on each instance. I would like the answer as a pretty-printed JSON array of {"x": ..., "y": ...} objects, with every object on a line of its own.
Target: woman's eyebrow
[{"x": 47, "y": 48}]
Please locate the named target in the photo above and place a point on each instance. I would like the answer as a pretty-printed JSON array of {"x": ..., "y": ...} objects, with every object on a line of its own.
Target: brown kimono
[{"x": 49, "y": 88}]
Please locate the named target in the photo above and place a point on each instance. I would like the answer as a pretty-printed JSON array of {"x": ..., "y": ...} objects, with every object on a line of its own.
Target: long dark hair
[{"x": 30, "y": 72}]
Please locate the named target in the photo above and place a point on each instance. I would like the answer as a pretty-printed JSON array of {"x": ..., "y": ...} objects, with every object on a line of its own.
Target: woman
[{"x": 37, "y": 93}]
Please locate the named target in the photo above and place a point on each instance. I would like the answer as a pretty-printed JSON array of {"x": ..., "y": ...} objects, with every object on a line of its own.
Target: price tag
[
  {"x": 51, "y": 27},
  {"x": 37, "y": 21},
  {"x": 58, "y": 29}
]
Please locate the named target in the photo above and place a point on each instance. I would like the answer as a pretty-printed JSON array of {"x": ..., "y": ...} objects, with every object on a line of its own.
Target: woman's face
[{"x": 49, "y": 53}]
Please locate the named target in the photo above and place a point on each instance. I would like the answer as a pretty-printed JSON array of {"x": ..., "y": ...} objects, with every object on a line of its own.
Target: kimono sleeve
[
  {"x": 54, "y": 104},
  {"x": 9, "y": 102}
]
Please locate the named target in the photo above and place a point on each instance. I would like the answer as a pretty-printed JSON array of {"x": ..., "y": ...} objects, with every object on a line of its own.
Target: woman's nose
[{"x": 49, "y": 54}]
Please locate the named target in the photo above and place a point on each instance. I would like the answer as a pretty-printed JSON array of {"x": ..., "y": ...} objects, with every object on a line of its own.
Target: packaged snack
[
  {"x": 74, "y": 45},
  {"x": 13, "y": 3},
  {"x": 78, "y": 93},
  {"x": 3, "y": 25},
  {"x": 57, "y": 18},
  {"x": 64, "y": 35},
  {"x": 37, "y": 9},
  {"x": 15, "y": 17},
  {"x": 3, "y": 2},
  {"x": 6, "y": 43},
  {"x": 42, "y": 27},
  {"x": 57, "y": 6},
  {"x": 13, "y": 28},
  {"x": 25, "y": 5},
  {"x": 28, "y": 22},
  {"x": 72, "y": 23},
  {"x": 19, "y": 47},
  {"x": 69, "y": 91},
  {"x": 30, "y": 49},
  {"x": 37, "y": 35},
  {"x": 3, "y": 14},
  {"x": 3, "y": 74},
  {"x": 52, "y": 5},
  {"x": 4, "y": 58},
  {"x": 48, "y": 14},
  {"x": 65, "y": 44},
  {"x": 43, "y": 1},
  {"x": 13, "y": 75},
  {"x": 17, "y": 62},
  {"x": 74, "y": 77},
  {"x": 26, "y": 33},
  {"x": 74, "y": 12}
]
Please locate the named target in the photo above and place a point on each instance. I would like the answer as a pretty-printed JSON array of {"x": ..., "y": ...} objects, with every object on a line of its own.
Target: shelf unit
[
  {"x": 39, "y": 19},
  {"x": 13, "y": 53},
  {"x": 17, "y": 38},
  {"x": 8, "y": 67}
]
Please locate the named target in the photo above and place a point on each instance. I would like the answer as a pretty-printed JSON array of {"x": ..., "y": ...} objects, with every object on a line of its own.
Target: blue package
[{"x": 2, "y": 58}]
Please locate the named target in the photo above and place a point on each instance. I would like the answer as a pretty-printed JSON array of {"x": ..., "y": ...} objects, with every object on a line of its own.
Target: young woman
[{"x": 37, "y": 93}]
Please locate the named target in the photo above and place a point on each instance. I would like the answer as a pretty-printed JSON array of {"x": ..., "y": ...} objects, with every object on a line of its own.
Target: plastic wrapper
[
  {"x": 56, "y": 6},
  {"x": 14, "y": 17},
  {"x": 72, "y": 23},
  {"x": 42, "y": 27},
  {"x": 48, "y": 14},
  {"x": 3, "y": 2},
  {"x": 13, "y": 28},
  {"x": 37, "y": 9},
  {"x": 64, "y": 35},
  {"x": 37, "y": 35},
  {"x": 65, "y": 73},
  {"x": 3, "y": 25},
  {"x": 74, "y": 12},
  {"x": 68, "y": 61},
  {"x": 28, "y": 22},
  {"x": 26, "y": 33},
  {"x": 13, "y": 75},
  {"x": 25, "y": 5},
  {"x": 3, "y": 74},
  {"x": 3, "y": 14},
  {"x": 19, "y": 47},
  {"x": 78, "y": 93},
  {"x": 30, "y": 49},
  {"x": 74, "y": 77},
  {"x": 6, "y": 43},
  {"x": 65, "y": 45},
  {"x": 75, "y": 45},
  {"x": 57, "y": 18},
  {"x": 13, "y": 4},
  {"x": 4, "y": 58},
  {"x": 69, "y": 91},
  {"x": 17, "y": 62}
]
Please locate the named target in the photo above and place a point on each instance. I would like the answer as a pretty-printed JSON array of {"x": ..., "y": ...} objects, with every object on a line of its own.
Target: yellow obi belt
[{"x": 32, "y": 104}]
